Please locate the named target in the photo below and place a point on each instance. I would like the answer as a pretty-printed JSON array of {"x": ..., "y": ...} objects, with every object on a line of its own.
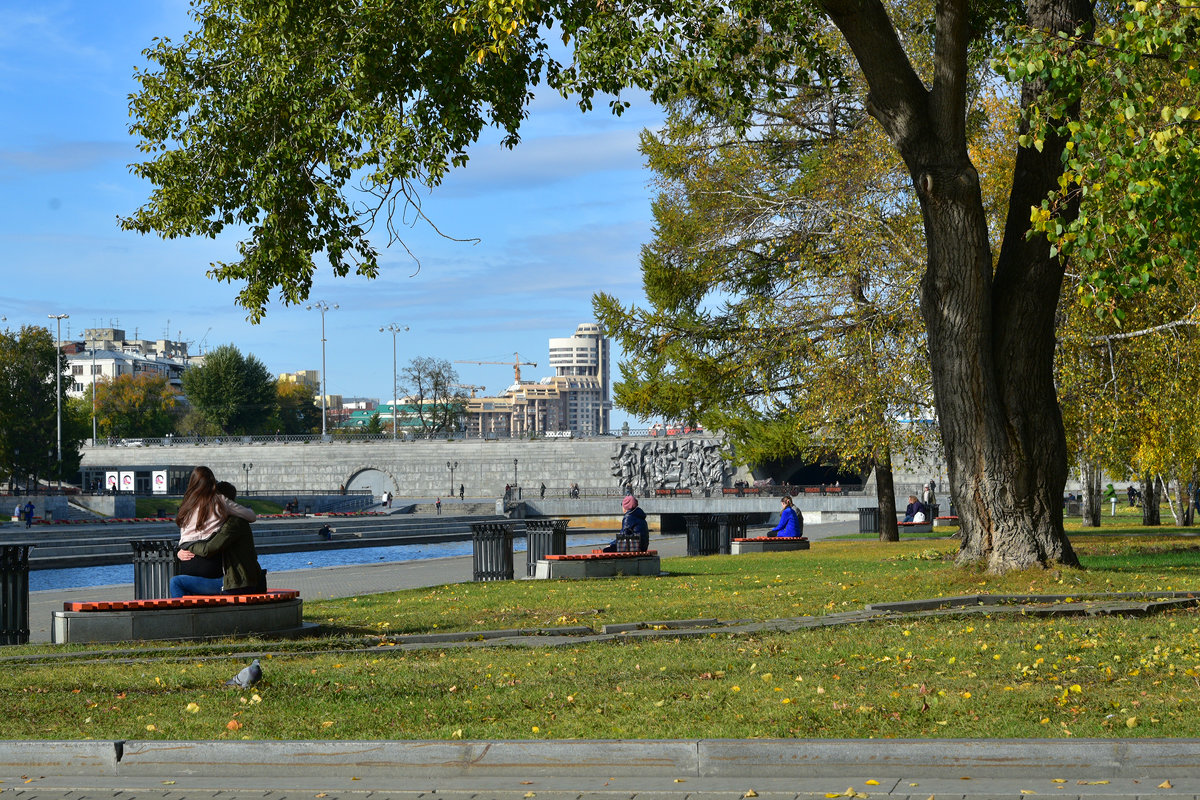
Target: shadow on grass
[{"x": 1171, "y": 557}]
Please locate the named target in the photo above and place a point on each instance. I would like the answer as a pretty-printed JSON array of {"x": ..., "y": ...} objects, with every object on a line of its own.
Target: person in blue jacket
[{"x": 791, "y": 522}]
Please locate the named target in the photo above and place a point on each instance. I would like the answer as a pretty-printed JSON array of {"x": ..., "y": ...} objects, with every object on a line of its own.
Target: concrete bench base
[
  {"x": 598, "y": 565},
  {"x": 768, "y": 544},
  {"x": 914, "y": 527},
  {"x": 940, "y": 522},
  {"x": 186, "y": 618}
]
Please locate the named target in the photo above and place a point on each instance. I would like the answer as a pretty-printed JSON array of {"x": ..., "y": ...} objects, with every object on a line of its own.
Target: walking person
[
  {"x": 438, "y": 506},
  {"x": 461, "y": 492},
  {"x": 29, "y": 514}
]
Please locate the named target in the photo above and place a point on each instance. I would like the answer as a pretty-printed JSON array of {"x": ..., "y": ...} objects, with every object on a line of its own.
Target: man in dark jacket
[{"x": 233, "y": 544}]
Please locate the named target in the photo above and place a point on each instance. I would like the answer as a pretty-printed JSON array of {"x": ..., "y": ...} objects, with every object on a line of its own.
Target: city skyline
[{"x": 558, "y": 218}]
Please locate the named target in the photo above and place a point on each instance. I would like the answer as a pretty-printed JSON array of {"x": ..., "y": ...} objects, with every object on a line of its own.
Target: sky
[{"x": 559, "y": 218}]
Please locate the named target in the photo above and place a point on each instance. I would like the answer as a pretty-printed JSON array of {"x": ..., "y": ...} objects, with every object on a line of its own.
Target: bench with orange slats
[{"x": 275, "y": 612}]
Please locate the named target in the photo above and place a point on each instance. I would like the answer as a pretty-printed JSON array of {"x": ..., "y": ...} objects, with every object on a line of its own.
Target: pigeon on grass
[{"x": 247, "y": 677}]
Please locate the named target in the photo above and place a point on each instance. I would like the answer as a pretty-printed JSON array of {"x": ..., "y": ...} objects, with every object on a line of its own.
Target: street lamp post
[
  {"x": 58, "y": 386},
  {"x": 93, "y": 395},
  {"x": 514, "y": 473},
  {"x": 394, "y": 328},
  {"x": 452, "y": 467},
  {"x": 246, "y": 469},
  {"x": 322, "y": 306}
]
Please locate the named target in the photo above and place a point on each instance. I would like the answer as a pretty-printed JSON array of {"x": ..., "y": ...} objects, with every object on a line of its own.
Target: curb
[{"x": 701, "y": 758}]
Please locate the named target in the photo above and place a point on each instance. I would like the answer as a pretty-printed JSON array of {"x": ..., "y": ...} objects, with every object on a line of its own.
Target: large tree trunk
[
  {"x": 1151, "y": 500},
  {"x": 885, "y": 499},
  {"x": 990, "y": 332},
  {"x": 1091, "y": 504}
]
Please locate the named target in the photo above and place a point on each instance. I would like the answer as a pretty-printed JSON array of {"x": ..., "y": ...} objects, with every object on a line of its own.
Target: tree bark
[
  {"x": 1150, "y": 501},
  {"x": 990, "y": 332},
  {"x": 1091, "y": 505},
  {"x": 885, "y": 499}
]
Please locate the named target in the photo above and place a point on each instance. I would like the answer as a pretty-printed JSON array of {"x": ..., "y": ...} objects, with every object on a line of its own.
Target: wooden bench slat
[{"x": 190, "y": 601}]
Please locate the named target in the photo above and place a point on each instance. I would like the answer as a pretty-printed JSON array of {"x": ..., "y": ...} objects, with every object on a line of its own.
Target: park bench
[
  {"x": 812, "y": 489},
  {"x": 914, "y": 527},
  {"x": 598, "y": 564},
  {"x": 768, "y": 544},
  {"x": 939, "y": 522},
  {"x": 276, "y": 611}
]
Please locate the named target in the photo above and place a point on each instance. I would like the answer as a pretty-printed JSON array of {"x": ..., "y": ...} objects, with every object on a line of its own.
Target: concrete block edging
[{"x": 981, "y": 758}]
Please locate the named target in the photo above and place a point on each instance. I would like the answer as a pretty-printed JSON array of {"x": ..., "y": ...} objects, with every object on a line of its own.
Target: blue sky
[{"x": 560, "y": 217}]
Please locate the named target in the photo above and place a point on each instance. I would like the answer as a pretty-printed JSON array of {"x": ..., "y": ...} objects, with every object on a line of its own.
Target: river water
[{"x": 82, "y": 577}]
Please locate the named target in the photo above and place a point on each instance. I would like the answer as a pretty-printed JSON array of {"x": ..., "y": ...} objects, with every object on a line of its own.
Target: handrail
[{"x": 339, "y": 438}]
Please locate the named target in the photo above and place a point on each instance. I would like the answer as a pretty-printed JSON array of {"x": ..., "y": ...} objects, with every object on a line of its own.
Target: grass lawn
[{"x": 947, "y": 676}]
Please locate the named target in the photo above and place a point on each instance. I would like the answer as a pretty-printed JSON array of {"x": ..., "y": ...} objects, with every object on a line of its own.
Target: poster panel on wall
[
  {"x": 111, "y": 481},
  {"x": 126, "y": 481},
  {"x": 158, "y": 481}
]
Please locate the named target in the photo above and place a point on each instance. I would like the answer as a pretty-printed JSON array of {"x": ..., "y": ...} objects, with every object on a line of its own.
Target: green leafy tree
[
  {"x": 392, "y": 95},
  {"x": 135, "y": 405},
  {"x": 235, "y": 393},
  {"x": 780, "y": 289},
  {"x": 29, "y": 409},
  {"x": 297, "y": 411}
]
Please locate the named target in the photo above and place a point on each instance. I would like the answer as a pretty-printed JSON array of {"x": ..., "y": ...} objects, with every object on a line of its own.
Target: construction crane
[
  {"x": 470, "y": 386},
  {"x": 516, "y": 364}
]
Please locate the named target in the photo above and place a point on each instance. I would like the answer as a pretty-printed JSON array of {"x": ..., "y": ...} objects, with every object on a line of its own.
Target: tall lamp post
[
  {"x": 394, "y": 328},
  {"x": 514, "y": 473},
  {"x": 93, "y": 394},
  {"x": 58, "y": 386},
  {"x": 322, "y": 306},
  {"x": 246, "y": 469},
  {"x": 452, "y": 467}
]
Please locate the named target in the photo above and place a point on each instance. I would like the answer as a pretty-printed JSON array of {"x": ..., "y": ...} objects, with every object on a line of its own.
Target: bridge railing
[{"x": 340, "y": 438}]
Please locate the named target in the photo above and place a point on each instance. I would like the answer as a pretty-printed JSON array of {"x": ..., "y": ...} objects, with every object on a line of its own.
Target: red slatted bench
[
  {"x": 275, "y": 612},
  {"x": 767, "y": 544},
  {"x": 598, "y": 564}
]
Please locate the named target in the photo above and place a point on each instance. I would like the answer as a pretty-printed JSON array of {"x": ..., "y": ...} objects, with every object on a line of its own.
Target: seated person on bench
[
  {"x": 233, "y": 543},
  {"x": 635, "y": 532},
  {"x": 915, "y": 511}
]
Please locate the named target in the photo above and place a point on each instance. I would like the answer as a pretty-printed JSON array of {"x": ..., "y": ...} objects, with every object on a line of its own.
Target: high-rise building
[
  {"x": 576, "y": 399},
  {"x": 584, "y": 355}
]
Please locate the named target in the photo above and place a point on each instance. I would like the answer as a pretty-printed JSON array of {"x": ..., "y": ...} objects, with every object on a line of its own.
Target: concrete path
[{"x": 604, "y": 770}]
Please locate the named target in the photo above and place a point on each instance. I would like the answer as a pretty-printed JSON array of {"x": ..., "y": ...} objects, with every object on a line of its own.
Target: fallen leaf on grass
[{"x": 192, "y": 708}]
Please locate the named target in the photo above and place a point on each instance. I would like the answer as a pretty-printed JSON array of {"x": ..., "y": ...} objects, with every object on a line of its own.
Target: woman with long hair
[
  {"x": 200, "y": 515},
  {"x": 791, "y": 523}
]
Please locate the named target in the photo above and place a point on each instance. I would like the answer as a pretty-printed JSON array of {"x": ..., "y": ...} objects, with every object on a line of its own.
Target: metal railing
[{"x": 332, "y": 438}]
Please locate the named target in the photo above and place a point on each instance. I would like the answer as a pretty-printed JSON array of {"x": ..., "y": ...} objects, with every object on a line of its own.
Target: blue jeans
[{"x": 192, "y": 584}]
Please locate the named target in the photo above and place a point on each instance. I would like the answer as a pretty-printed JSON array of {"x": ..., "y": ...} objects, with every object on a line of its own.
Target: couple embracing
[{"x": 216, "y": 546}]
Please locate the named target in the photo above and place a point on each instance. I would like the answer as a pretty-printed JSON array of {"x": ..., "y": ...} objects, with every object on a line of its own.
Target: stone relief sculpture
[{"x": 686, "y": 464}]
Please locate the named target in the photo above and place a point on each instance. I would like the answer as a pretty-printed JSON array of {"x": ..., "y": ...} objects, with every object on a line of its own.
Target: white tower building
[{"x": 584, "y": 356}]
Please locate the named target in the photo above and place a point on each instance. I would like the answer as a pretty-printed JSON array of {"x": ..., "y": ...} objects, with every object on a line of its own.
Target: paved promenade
[{"x": 567, "y": 770}]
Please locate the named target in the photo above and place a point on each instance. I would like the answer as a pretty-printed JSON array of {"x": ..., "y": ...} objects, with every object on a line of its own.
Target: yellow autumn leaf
[
  {"x": 872, "y": 782},
  {"x": 1165, "y": 785},
  {"x": 750, "y": 793},
  {"x": 1028, "y": 791},
  {"x": 192, "y": 708},
  {"x": 168, "y": 783}
]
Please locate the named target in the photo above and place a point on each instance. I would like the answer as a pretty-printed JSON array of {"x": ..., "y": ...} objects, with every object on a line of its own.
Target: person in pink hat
[{"x": 633, "y": 527}]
